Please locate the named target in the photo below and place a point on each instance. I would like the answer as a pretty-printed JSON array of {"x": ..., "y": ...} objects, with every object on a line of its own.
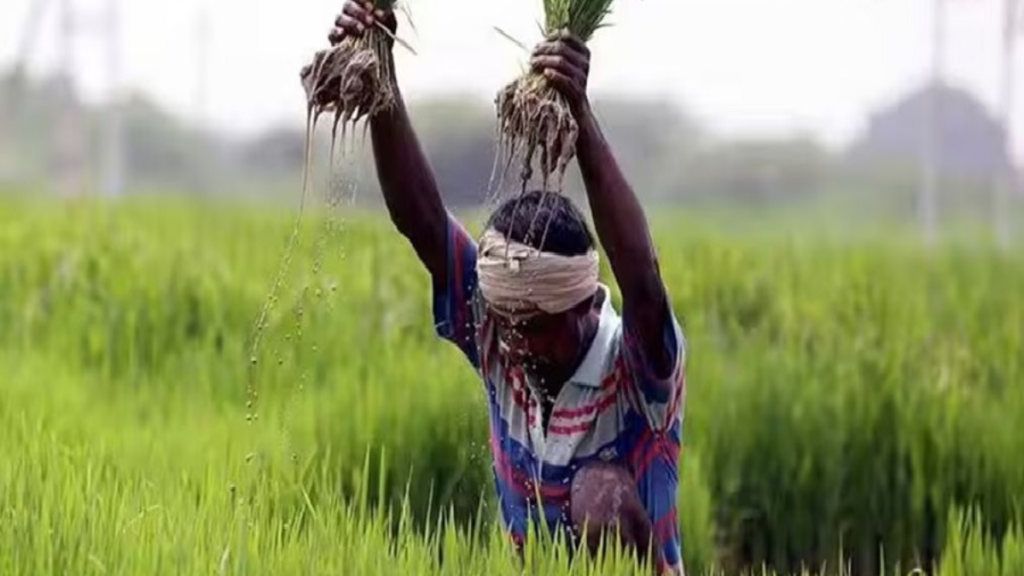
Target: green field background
[{"x": 850, "y": 403}]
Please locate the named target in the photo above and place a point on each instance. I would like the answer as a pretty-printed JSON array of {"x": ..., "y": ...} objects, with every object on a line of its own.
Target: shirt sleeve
[
  {"x": 453, "y": 298},
  {"x": 660, "y": 398}
]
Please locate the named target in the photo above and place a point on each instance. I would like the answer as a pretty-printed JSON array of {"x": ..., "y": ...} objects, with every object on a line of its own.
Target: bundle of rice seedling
[
  {"x": 533, "y": 118},
  {"x": 356, "y": 78}
]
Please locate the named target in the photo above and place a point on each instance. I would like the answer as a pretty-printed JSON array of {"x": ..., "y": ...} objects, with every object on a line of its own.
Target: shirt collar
[{"x": 590, "y": 372}]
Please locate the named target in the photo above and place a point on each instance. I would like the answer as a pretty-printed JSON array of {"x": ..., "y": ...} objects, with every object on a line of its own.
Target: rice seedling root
[
  {"x": 536, "y": 124},
  {"x": 353, "y": 80}
]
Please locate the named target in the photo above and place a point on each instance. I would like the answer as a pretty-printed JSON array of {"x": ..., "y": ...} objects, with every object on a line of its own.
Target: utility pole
[
  {"x": 70, "y": 138},
  {"x": 114, "y": 131},
  {"x": 1006, "y": 181},
  {"x": 69, "y": 134},
  {"x": 202, "y": 32},
  {"x": 202, "y": 54},
  {"x": 927, "y": 201}
]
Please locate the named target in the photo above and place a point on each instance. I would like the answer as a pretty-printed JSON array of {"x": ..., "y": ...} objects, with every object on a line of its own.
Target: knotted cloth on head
[{"x": 516, "y": 279}]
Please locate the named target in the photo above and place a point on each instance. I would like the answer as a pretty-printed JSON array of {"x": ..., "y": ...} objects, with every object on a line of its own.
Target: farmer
[{"x": 585, "y": 405}]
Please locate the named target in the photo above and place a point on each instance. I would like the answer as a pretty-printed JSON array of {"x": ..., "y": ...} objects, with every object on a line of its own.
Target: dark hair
[{"x": 538, "y": 216}]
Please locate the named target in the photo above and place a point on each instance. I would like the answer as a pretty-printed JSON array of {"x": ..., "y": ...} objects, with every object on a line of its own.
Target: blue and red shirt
[{"x": 613, "y": 409}]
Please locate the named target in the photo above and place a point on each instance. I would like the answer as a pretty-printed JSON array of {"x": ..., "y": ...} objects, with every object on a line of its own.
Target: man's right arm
[
  {"x": 442, "y": 244},
  {"x": 414, "y": 201},
  {"x": 406, "y": 179},
  {"x": 410, "y": 189}
]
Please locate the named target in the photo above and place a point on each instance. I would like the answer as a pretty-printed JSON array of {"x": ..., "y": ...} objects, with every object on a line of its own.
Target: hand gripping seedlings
[{"x": 534, "y": 120}]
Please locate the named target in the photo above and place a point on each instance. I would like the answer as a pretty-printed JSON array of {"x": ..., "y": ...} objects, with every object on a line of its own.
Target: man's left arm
[
  {"x": 650, "y": 326},
  {"x": 653, "y": 337}
]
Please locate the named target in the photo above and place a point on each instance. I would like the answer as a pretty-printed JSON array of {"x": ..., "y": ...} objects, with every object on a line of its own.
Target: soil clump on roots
[
  {"x": 536, "y": 126},
  {"x": 353, "y": 80},
  {"x": 535, "y": 123}
]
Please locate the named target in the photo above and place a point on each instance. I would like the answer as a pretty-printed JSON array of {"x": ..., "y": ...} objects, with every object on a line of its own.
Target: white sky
[{"x": 750, "y": 66}]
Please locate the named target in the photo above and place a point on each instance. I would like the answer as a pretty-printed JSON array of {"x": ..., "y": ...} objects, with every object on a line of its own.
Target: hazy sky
[{"x": 749, "y": 66}]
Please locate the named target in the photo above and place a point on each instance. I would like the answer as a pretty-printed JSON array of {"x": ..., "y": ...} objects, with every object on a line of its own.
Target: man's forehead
[{"x": 513, "y": 318}]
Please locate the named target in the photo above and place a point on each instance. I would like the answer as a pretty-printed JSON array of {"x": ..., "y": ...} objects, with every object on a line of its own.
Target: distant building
[{"x": 970, "y": 140}]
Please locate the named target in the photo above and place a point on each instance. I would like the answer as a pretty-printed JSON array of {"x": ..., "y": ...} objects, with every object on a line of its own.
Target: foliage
[
  {"x": 581, "y": 17},
  {"x": 843, "y": 399}
]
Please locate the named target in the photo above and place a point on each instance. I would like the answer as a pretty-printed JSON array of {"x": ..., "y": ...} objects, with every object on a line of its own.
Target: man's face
[{"x": 542, "y": 344}]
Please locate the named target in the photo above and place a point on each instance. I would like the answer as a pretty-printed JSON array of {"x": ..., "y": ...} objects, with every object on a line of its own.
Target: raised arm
[
  {"x": 618, "y": 217},
  {"x": 414, "y": 201},
  {"x": 406, "y": 179}
]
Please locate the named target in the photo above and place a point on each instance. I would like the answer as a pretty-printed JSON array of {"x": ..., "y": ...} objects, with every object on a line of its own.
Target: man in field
[{"x": 585, "y": 405}]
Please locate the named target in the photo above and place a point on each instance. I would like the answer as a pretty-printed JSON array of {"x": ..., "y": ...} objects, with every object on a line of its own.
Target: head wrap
[{"x": 516, "y": 279}]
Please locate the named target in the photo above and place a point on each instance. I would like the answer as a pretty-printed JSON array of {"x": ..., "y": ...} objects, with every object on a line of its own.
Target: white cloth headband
[{"x": 517, "y": 279}]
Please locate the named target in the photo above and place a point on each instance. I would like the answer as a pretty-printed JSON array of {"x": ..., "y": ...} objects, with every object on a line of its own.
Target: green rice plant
[
  {"x": 973, "y": 549},
  {"x": 581, "y": 18},
  {"x": 841, "y": 399}
]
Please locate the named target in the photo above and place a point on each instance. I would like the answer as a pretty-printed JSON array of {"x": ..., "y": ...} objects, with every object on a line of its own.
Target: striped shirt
[{"x": 613, "y": 409}]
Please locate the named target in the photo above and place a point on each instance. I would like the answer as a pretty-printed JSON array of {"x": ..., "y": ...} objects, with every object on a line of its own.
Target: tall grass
[{"x": 842, "y": 401}]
